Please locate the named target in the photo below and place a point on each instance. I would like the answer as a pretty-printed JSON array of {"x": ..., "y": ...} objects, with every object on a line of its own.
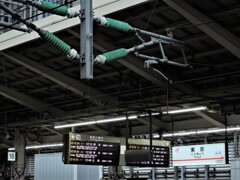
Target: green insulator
[
  {"x": 118, "y": 25},
  {"x": 56, "y": 42},
  {"x": 116, "y": 54},
  {"x": 53, "y": 8}
]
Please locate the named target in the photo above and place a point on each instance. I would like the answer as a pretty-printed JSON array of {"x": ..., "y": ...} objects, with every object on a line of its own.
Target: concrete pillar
[
  {"x": 19, "y": 144},
  {"x": 175, "y": 172}
]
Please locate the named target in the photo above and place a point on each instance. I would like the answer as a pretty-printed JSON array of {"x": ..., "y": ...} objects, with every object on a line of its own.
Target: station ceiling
[{"x": 41, "y": 88}]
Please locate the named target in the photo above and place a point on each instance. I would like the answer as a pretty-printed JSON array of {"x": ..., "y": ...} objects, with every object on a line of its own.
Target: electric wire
[
  {"x": 150, "y": 16},
  {"x": 177, "y": 82},
  {"x": 29, "y": 18}
]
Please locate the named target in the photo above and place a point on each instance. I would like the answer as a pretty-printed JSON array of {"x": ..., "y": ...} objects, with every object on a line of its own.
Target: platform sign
[
  {"x": 160, "y": 152},
  {"x": 91, "y": 150},
  {"x": 205, "y": 154},
  {"x": 11, "y": 156}
]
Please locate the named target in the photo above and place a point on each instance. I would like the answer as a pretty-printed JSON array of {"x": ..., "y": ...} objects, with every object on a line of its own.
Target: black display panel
[
  {"x": 90, "y": 150},
  {"x": 160, "y": 156}
]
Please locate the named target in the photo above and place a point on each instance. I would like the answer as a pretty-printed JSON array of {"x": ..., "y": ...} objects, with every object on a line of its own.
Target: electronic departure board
[
  {"x": 91, "y": 150},
  {"x": 160, "y": 152}
]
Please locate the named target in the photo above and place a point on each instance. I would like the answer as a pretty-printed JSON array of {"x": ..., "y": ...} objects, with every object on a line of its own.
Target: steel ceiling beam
[
  {"x": 156, "y": 123},
  {"x": 215, "y": 119},
  {"x": 215, "y": 31},
  {"x": 75, "y": 86},
  {"x": 51, "y": 130},
  {"x": 28, "y": 101}
]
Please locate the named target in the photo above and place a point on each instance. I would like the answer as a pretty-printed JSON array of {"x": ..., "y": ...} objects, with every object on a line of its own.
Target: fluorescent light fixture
[
  {"x": 122, "y": 118},
  {"x": 143, "y": 115},
  {"x": 179, "y": 134},
  {"x": 40, "y": 146},
  {"x": 111, "y": 120},
  {"x": 185, "y": 110},
  {"x": 75, "y": 124},
  {"x": 233, "y": 129},
  {"x": 44, "y": 146},
  {"x": 155, "y": 114},
  {"x": 208, "y": 131}
]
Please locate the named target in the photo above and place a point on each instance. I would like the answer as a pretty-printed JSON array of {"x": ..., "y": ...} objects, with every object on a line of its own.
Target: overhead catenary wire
[
  {"x": 46, "y": 35},
  {"x": 31, "y": 17},
  {"x": 53, "y": 8}
]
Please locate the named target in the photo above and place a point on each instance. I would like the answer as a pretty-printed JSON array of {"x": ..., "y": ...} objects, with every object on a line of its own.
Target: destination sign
[
  {"x": 91, "y": 150},
  {"x": 160, "y": 156}
]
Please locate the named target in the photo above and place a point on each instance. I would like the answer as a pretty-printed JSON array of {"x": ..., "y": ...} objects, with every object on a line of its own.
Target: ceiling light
[
  {"x": 122, "y": 118},
  {"x": 44, "y": 146},
  {"x": 40, "y": 146},
  {"x": 208, "y": 131},
  {"x": 75, "y": 124},
  {"x": 179, "y": 134},
  {"x": 185, "y": 110}
]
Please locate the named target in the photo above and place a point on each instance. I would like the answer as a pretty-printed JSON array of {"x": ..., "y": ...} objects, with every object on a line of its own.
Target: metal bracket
[
  {"x": 170, "y": 32},
  {"x": 139, "y": 37},
  {"x": 148, "y": 63},
  {"x": 82, "y": 15}
]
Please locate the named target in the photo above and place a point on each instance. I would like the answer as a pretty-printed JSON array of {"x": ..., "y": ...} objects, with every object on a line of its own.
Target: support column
[
  {"x": 20, "y": 145},
  {"x": 175, "y": 172},
  {"x": 238, "y": 144},
  {"x": 206, "y": 172},
  {"x": 235, "y": 140},
  {"x": 154, "y": 170},
  {"x": 183, "y": 168},
  {"x": 206, "y": 167},
  {"x": 86, "y": 48},
  {"x": 130, "y": 172}
]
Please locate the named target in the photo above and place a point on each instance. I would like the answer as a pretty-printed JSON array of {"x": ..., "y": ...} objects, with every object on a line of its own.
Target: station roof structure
[{"x": 41, "y": 88}]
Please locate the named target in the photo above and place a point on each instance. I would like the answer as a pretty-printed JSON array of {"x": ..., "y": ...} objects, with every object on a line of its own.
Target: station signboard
[{"x": 205, "y": 154}]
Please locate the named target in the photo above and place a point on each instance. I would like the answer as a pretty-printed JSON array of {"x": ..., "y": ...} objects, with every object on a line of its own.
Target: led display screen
[
  {"x": 91, "y": 150},
  {"x": 160, "y": 152}
]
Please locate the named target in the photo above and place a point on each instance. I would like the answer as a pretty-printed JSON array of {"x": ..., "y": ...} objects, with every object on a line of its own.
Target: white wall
[{"x": 50, "y": 167}]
